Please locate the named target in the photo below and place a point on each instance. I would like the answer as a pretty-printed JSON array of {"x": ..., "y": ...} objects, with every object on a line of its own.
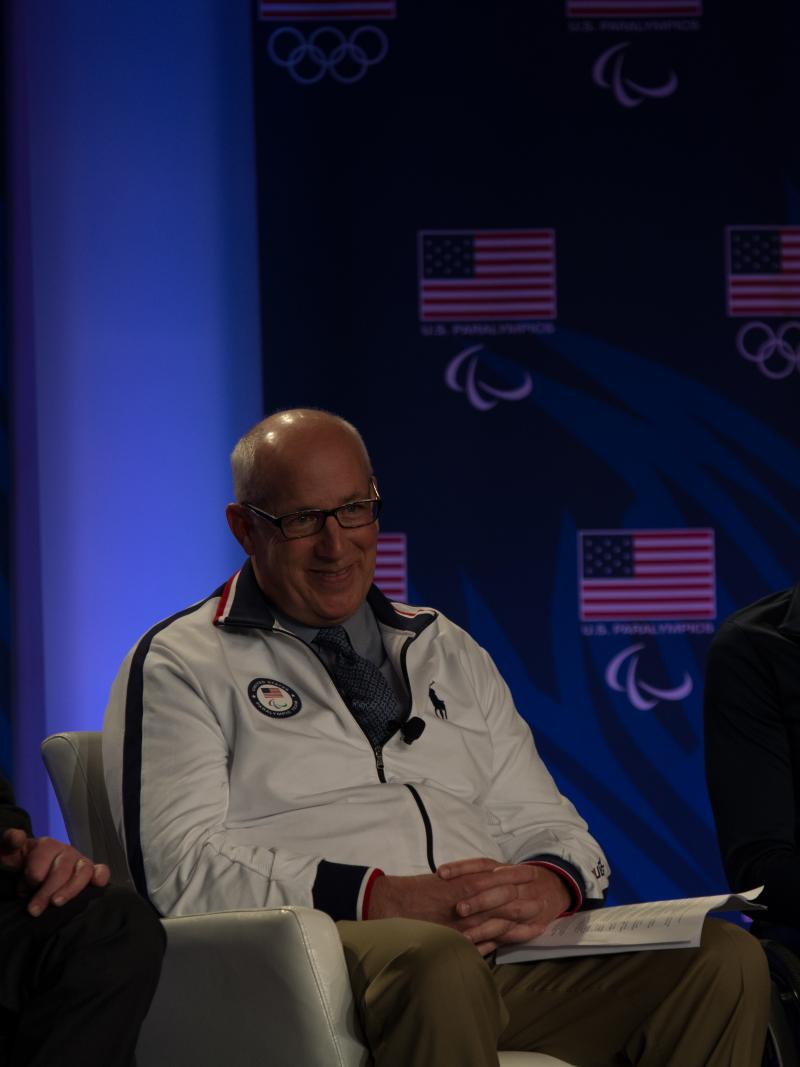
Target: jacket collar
[
  {"x": 413, "y": 619},
  {"x": 791, "y": 621},
  {"x": 242, "y": 606}
]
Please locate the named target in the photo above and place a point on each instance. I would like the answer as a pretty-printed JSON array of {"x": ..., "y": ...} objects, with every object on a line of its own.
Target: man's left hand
[
  {"x": 507, "y": 903},
  {"x": 51, "y": 871}
]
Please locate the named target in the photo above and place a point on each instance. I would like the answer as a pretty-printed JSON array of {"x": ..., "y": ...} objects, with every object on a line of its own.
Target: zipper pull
[{"x": 378, "y": 751}]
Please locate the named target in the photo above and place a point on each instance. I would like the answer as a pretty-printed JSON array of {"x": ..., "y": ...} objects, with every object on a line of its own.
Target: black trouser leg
[{"x": 79, "y": 979}]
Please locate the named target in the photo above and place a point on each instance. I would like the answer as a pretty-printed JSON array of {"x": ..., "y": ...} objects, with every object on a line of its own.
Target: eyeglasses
[{"x": 311, "y": 521}]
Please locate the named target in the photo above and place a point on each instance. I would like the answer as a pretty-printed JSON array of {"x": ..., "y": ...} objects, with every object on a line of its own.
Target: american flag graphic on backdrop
[
  {"x": 640, "y": 9},
  {"x": 646, "y": 574},
  {"x": 296, "y": 10},
  {"x": 763, "y": 270},
  {"x": 390, "y": 566},
  {"x": 487, "y": 275}
]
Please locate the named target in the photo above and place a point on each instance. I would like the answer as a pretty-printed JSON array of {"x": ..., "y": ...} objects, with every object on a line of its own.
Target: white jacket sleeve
[
  {"x": 166, "y": 758},
  {"x": 532, "y": 819}
]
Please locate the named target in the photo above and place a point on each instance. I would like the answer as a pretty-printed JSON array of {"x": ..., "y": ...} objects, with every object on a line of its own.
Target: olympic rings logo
[
  {"x": 776, "y": 352},
  {"x": 327, "y": 51}
]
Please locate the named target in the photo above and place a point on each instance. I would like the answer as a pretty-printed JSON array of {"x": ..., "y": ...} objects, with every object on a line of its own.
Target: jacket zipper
[
  {"x": 377, "y": 750},
  {"x": 426, "y": 822},
  {"x": 426, "y": 819},
  {"x": 406, "y": 680}
]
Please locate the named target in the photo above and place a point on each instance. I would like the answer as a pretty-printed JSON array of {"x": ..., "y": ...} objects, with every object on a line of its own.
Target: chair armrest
[
  {"x": 74, "y": 762},
  {"x": 268, "y": 986}
]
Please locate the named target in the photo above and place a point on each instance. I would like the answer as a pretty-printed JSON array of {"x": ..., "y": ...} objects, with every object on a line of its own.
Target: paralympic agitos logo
[
  {"x": 464, "y": 374},
  {"x": 642, "y": 695},
  {"x": 608, "y": 73}
]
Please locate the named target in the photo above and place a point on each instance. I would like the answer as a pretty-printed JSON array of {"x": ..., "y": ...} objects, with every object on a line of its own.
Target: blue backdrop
[
  {"x": 547, "y": 258},
  {"x": 135, "y": 361}
]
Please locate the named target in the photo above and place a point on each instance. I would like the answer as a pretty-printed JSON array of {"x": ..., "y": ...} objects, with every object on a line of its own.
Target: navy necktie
[{"x": 366, "y": 692}]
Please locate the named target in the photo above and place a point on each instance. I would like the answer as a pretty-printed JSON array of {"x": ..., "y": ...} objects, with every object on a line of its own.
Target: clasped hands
[
  {"x": 50, "y": 871},
  {"x": 492, "y": 904}
]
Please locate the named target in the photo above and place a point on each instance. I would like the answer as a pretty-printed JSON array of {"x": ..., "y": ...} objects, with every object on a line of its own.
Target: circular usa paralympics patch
[{"x": 273, "y": 698}]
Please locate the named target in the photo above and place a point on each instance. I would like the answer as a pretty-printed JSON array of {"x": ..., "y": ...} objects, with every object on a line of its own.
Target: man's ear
[{"x": 241, "y": 527}]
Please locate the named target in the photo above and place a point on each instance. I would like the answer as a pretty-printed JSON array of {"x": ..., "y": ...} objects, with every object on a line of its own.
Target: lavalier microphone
[{"x": 411, "y": 729}]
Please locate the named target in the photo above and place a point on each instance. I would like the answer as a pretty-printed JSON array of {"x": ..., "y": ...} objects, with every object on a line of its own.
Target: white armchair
[{"x": 268, "y": 986}]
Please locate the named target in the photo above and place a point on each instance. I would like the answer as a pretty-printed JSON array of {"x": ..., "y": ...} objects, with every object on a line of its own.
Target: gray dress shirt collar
[{"x": 362, "y": 629}]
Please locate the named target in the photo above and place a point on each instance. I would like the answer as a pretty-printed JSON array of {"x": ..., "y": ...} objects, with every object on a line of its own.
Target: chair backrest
[{"x": 74, "y": 762}]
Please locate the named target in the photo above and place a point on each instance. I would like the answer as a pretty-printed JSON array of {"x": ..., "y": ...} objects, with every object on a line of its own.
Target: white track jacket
[{"x": 238, "y": 777}]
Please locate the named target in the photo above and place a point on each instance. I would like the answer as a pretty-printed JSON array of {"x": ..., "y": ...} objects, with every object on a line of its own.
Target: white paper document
[{"x": 627, "y": 928}]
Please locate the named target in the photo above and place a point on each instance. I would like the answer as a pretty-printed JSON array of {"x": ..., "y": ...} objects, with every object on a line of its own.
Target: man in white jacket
[{"x": 296, "y": 738}]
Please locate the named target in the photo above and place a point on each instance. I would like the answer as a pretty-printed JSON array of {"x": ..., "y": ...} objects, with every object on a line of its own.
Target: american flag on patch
[
  {"x": 296, "y": 10},
  {"x": 630, "y": 9},
  {"x": 390, "y": 566},
  {"x": 646, "y": 574},
  {"x": 763, "y": 270},
  {"x": 271, "y": 691},
  {"x": 486, "y": 275}
]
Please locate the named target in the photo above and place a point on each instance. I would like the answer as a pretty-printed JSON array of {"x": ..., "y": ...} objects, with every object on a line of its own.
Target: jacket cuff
[
  {"x": 343, "y": 889},
  {"x": 569, "y": 875},
  {"x": 370, "y": 879}
]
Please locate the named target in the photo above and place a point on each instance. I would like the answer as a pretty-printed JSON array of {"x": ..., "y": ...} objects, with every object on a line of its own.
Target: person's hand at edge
[{"x": 51, "y": 872}]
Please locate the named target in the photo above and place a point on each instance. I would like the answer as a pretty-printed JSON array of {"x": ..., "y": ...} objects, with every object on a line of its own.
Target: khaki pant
[{"x": 426, "y": 998}]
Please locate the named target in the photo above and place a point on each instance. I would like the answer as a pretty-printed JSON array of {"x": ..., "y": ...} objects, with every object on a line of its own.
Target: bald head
[
  {"x": 297, "y": 462},
  {"x": 261, "y": 457}
]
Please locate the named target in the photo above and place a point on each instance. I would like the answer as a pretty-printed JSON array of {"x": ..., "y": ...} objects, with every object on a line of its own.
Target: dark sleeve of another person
[
  {"x": 11, "y": 817},
  {"x": 751, "y": 755}
]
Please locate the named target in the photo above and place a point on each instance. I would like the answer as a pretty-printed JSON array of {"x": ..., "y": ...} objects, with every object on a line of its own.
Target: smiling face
[{"x": 323, "y": 579}]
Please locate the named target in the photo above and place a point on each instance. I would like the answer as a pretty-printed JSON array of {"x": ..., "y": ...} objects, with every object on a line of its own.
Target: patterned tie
[{"x": 366, "y": 692}]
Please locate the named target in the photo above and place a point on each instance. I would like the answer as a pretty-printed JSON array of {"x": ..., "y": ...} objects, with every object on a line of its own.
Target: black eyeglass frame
[{"x": 322, "y": 513}]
